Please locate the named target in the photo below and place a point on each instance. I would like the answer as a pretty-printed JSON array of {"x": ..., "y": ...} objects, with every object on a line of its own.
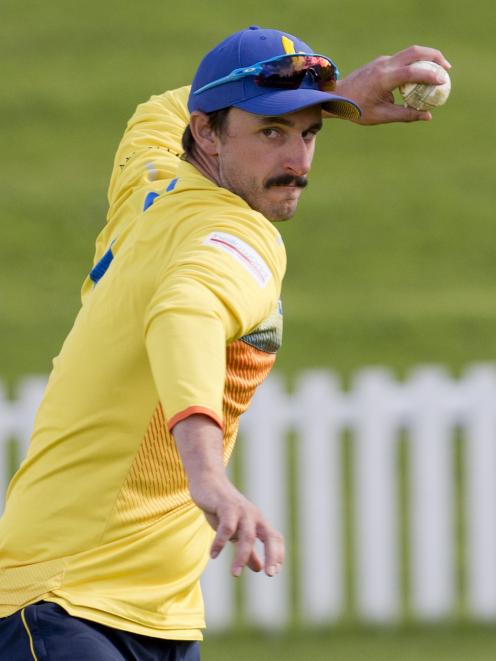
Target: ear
[{"x": 205, "y": 137}]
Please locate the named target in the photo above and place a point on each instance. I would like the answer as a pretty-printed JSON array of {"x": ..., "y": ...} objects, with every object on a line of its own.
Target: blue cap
[{"x": 244, "y": 49}]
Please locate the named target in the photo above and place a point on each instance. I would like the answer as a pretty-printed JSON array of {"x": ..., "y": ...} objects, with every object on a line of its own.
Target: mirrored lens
[{"x": 288, "y": 73}]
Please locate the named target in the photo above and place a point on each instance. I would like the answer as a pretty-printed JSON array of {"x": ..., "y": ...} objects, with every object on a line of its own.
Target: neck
[{"x": 207, "y": 165}]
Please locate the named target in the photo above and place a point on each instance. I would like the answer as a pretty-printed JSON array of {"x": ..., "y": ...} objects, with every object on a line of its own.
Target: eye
[
  {"x": 270, "y": 132},
  {"x": 310, "y": 135}
]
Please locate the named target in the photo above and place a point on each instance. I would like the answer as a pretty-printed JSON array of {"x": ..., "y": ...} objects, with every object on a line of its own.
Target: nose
[{"x": 299, "y": 157}]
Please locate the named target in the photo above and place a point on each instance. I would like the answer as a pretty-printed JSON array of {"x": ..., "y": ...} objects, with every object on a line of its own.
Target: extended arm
[
  {"x": 234, "y": 517},
  {"x": 205, "y": 300}
]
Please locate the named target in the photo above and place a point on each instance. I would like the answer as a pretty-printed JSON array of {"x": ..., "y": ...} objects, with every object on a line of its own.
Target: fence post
[
  {"x": 29, "y": 395},
  {"x": 264, "y": 464},
  {"x": 318, "y": 405},
  {"x": 6, "y": 425},
  {"x": 376, "y": 513},
  {"x": 432, "y": 493},
  {"x": 218, "y": 592},
  {"x": 16, "y": 422},
  {"x": 480, "y": 491}
]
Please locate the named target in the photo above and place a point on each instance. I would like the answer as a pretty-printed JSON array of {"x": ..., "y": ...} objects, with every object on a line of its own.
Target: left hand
[{"x": 372, "y": 85}]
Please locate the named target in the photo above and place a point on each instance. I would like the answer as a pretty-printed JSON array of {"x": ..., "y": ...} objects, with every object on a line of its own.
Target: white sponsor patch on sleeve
[{"x": 243, "y": 253}]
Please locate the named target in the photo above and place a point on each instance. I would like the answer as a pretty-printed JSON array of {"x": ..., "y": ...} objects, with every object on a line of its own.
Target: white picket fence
[{"x": 301, "y": 433}]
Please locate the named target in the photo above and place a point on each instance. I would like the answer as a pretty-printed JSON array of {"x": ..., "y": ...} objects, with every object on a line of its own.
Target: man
[{"x": 106, "y": 529}]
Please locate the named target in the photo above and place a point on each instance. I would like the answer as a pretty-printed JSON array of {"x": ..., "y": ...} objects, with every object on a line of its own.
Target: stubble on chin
[
  {"x": 281, "y": 213},
  {"x": 280, "y": 210},
  {"x": 273, "y": 210}
]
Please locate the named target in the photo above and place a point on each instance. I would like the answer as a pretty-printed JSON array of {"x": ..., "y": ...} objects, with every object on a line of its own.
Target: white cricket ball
[{"x": 425, "y": 97}]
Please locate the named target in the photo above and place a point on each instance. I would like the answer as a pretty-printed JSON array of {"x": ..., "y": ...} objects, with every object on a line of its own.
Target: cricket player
[{"x": 123, "y": 496}]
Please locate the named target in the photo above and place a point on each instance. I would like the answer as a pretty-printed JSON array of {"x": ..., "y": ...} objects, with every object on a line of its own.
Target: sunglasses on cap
[{"x": 285, "y": 72}]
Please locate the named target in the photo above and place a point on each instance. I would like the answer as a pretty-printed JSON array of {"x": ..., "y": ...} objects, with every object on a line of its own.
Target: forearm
[{"x": 199, "y": 441}]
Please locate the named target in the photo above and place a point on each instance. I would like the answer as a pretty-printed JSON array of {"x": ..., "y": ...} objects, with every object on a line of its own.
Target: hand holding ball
[{"x": 422, "y": 96}]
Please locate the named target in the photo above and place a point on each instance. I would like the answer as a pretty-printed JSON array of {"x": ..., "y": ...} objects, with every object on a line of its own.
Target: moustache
[{"x": 287, "y": 180}]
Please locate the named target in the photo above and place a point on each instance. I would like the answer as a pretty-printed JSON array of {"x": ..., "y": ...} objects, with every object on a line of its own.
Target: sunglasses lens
[
  {"x": 289, "y": 72},
  {"x": 287, "y": 80}
]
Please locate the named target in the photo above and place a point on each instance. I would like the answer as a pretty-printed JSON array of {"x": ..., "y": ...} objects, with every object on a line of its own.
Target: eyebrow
[{"x": 287, "y": 122}]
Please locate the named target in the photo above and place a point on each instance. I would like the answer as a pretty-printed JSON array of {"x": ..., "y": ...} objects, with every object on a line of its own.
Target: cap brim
[{"x": 279, "y": 102}]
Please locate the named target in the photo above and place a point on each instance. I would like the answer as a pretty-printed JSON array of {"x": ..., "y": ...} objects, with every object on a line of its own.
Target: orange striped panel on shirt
[{"x": 156, "y": 482}]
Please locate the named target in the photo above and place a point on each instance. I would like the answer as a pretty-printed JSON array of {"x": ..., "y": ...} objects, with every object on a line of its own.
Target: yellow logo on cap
[{"x": 288, "y": 46}]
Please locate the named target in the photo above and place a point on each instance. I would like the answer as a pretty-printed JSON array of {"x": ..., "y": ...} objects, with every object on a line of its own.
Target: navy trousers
[{"x": 46, "y": 632}]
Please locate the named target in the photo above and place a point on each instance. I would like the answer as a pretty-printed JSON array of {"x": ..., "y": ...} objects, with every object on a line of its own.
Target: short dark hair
[{"x": 217, "y": 121}]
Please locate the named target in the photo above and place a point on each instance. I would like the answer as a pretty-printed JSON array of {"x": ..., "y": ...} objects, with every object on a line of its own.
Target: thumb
[
  {"x": 391, "y": 112},
  {"x": 405, "y": 114}
]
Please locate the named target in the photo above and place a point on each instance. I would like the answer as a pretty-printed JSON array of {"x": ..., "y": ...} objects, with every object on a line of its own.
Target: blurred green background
[{"x": 390, "y": 261}]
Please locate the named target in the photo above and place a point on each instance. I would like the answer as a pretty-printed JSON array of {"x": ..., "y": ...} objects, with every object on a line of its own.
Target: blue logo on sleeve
[
  {"x": 172, "y": 185},
  {"x": 100, "y": 268},
  {"x": 149, "y": 200}
]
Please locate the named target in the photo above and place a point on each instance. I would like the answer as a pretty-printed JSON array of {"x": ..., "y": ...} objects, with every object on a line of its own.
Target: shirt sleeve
[
  {"x": 151, "y": 146},
  {"x": 207, "y": 299},
  {"x": 148, "y": 154}
]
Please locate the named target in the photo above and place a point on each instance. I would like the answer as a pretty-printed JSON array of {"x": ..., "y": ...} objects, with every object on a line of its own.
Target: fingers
[
  {"x": 254, "y": 561},
  {"x": 246, "y": 553},
  {"x": 243, "y": 527},
  {"x": 415, "y": 53},
  {"x": 245, "y": 542},
  {"x": 274, "y": 550},
  {"x": 397, "y": 76},
  {"x": 226, "y": 530}
]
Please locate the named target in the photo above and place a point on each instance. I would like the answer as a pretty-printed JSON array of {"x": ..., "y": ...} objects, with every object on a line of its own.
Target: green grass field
[
  {"x": 411, "y": 644},
  {"x": 390, "y": 256}
]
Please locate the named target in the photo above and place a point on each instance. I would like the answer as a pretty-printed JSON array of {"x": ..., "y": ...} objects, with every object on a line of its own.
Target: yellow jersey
[{"x": 180, "y": 315}]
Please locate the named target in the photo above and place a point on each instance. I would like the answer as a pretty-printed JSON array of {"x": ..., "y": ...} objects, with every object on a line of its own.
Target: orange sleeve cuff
[{"x": 194, "y": 410}]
